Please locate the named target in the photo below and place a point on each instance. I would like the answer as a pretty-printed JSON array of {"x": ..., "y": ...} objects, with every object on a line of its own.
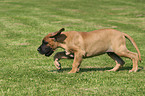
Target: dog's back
[{"x": 104, "y": 40}]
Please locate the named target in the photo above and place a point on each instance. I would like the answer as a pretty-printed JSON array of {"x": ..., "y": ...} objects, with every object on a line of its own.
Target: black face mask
[{"x": 47, "y": 50}]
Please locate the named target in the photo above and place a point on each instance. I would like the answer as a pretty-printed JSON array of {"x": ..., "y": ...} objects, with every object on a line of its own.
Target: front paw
[
  {"x": 74, "y": 70},
  {"x": 133, "y": 70},
  {"x": 57, "y": 65}
]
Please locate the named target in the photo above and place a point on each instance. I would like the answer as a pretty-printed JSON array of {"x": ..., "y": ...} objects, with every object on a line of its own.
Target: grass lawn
[{"x": 24, "y": 72}]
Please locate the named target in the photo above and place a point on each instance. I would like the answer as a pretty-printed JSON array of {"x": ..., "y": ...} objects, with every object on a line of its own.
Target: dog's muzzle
[{"x": 47, "y": 51}]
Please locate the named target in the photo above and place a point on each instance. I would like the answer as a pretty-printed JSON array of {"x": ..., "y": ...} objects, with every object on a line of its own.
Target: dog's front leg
[
  {"x": 61, "y": 55},
  {"x": 76, "y": 63}
]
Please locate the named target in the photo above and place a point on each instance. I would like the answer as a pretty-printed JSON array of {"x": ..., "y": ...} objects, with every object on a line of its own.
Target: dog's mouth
[
  {"x": 49, "y": 53},
  {"x": 45, "y": 51}
]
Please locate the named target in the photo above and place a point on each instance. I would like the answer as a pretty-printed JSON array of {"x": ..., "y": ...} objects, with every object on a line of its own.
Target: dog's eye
[{"x": 44, "y": 42}]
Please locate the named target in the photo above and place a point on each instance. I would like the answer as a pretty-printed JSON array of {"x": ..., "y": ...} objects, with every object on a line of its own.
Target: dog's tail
[{"x": 134, "y": 44}]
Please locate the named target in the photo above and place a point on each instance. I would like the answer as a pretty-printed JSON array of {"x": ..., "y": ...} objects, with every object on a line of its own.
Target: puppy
[{"x": 79, "y": 45}]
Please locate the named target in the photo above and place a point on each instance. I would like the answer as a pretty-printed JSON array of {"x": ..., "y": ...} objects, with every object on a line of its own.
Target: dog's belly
[
  {"x": 95, "y": 53},
  {"x": 97, "y": 48}
]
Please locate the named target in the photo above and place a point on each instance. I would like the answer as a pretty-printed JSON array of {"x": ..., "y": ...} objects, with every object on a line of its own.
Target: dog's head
[{"x": 50, "y": 42}]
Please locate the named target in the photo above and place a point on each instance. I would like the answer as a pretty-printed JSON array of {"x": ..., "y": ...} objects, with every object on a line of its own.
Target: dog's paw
[
  {"x": 57, "y": 65},
  {"x": 132, "y": 70},
  {"x": 72, "y": 71},
  {"x": 111, "y": 70}
]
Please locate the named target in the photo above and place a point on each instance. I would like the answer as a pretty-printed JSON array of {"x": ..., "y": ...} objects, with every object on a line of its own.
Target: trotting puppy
[{"x": 79, "y": 45}]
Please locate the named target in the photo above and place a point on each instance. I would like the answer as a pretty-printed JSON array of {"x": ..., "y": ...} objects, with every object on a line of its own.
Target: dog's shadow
[{"x": 95, "y": 69}]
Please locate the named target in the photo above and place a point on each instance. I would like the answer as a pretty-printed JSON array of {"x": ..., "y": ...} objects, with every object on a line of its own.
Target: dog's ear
[
  {"x": 55, "y": 34},
  {"x": 60, "y": 38}
]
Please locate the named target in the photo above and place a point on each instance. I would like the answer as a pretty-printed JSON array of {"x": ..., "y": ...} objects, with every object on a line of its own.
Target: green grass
[{"x": 24, "y": 72}]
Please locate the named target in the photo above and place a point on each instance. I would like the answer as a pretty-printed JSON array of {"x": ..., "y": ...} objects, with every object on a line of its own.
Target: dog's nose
[{"x": 38, "y": 49}]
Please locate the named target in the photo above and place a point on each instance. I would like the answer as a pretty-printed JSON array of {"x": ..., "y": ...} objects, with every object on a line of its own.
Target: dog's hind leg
[
  {"x": 61, "y": 55},
  {"x": 119, "y": 62},
  {"x": 133, "y": 56}
]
